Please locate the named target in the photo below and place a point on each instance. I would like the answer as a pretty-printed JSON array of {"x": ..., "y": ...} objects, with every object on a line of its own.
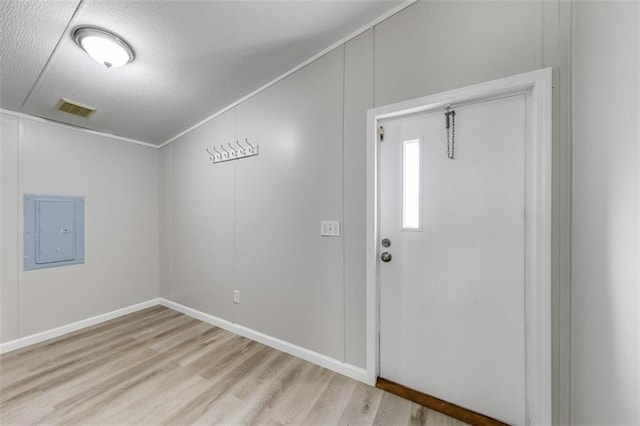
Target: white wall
[
  {"x": 283, "y": 265},
  {"x": 358, "y": 98},
  {"x": 202, "y": 218},
  {"x": 119, "y": 181},
  {"x": 165, "y": 222},
  {"x": 253, "y": 224},
  {"x": 606, "y": 214},
  {"x": 9, "y": 231},
  {"x": 435, "y": 46}
]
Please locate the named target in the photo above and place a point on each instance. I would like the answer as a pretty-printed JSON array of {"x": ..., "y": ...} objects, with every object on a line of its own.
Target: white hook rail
[{"x": 233, "y": 152}]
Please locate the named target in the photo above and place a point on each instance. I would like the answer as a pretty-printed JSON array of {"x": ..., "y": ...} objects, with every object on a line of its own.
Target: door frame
[{"x": 537, "y": 86}]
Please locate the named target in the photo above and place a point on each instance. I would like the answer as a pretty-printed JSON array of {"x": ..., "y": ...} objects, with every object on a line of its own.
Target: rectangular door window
[{"x": 411, "y": 191}]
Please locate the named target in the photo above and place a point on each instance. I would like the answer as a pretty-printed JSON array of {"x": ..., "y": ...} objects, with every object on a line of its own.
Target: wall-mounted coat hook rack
[{"x": 233, "y": 152}]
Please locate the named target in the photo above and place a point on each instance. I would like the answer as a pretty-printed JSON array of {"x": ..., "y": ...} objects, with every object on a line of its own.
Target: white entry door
[{"x": 452, "y": 295}]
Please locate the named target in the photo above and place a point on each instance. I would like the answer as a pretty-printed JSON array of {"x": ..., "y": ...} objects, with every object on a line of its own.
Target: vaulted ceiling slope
[{"x": 193, "y": 58}]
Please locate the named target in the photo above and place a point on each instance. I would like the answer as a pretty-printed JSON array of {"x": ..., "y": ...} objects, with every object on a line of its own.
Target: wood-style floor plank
[
  {"x": 362, "y": 406},
  {"x": 158, "y": 366}
]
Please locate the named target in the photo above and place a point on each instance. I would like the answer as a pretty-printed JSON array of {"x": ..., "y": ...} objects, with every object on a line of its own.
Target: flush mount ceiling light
[{"x": 103, "y": 46}]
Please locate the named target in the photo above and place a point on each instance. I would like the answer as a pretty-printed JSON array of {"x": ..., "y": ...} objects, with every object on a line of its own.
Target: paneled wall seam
[
  {"x": 373, "y": 53},
  {"x": 568, "y": 204},
  {"x": 542, "y": 27},
  {"x": 2, "y": 232},
  {"x": 555, "y": 309},
  {"x": 344, "y": 248},
  {"x": 20, "y": 281},
  {"x": 572, "y": 206},
  {"x": 10, "y": 227},
  {"x": 170, "y": 189},
  {"x": 159, "y": 218},
  {"x": 234, "y": 307}
]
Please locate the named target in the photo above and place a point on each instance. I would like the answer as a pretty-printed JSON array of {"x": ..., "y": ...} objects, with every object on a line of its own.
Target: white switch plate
[
  {"x": 236, "y": 296},
  {"x": 330, "y": 228}
]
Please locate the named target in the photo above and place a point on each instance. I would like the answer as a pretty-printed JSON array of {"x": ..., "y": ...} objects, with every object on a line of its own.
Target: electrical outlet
[
  {"x": 236, "y": 296},
  {"x": 329, "y": 228}
]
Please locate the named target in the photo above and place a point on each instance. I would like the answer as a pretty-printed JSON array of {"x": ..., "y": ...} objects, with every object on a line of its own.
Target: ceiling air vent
[{"x": 75, "y": 108}]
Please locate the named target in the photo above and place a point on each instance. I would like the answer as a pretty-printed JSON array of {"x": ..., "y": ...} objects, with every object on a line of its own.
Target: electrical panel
[{"x": 53, "y": 231}]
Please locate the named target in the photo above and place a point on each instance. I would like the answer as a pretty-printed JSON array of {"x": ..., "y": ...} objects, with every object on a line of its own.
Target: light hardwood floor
[{"x": 158, "y": 366}]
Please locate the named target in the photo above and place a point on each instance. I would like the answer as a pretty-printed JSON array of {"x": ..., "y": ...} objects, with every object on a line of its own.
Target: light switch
[{"x": 330, "y": 228}]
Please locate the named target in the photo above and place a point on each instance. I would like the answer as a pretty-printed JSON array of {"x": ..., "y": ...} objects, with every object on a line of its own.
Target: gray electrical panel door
[
  {"x": 53, "y": 231},
  {"x": 56, "y": 223}
]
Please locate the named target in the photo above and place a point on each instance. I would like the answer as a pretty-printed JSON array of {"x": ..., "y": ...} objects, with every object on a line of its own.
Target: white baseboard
[
  {"x": 343, "y": 368},
  {"x": 340, "y": 367},
  {"x": 12, "y": 345}
]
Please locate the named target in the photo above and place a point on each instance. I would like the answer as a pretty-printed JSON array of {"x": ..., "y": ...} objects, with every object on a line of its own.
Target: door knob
[{"x": 386, "y": 256}]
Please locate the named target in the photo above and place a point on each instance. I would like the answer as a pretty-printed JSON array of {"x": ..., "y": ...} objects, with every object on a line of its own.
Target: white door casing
[{"x": 536, "y": 89}]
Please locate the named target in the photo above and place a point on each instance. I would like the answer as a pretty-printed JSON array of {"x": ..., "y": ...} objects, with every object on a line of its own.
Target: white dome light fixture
[{"x": 103, "y": 46}]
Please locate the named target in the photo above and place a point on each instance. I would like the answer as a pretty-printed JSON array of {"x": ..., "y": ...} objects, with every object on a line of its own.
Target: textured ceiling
[
  {"x": 192, "y": 57},
  {"x": 23, "y": 55}
]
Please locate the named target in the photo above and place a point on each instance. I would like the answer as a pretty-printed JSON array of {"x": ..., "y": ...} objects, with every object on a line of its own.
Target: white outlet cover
[{"x": 330, "y": 228}]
